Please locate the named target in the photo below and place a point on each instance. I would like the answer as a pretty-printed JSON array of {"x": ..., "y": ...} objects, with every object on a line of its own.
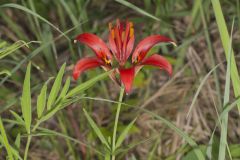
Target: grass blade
[
  {"x": 36, "y": 52},
  {"x": 222, "y": 27},
  {"x": 96, "y": 129},
  {"x": 224, "y": 120},
  {"x": 8, "y": 49},
  {"x": 56, "y": 87},
  {"x": 12, "y": 5},
  {"x": 69, "y": 12},
  {"x": 199, "y": 88},
  {"x": 229, "y": 107},
  {"x": 26, "y": 100},
  {"x": 139, "y": 10},
  {"x": 4, "y": 140}
]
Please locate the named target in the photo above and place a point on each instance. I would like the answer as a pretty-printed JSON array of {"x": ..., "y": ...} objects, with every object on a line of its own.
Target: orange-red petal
[
  {"x": 129, "y": 47},
  {"x": 158, "y": 61},
  {"x": 96, "y": 44},
  {"x": 85, "y": 64},
  {"x": 127, "y": 77},
  {"x": 146, "y": 44}
]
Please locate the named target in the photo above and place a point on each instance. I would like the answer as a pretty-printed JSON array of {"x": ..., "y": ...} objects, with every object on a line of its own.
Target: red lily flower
[{"x": 121, "y": 42}]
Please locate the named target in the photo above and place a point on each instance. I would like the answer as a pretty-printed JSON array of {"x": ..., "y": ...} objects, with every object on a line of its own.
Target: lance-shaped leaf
[
  {"x": 41, "y": 100},
  {"x": 17, "y": 117},
  {"x": 124, "y": 133},
  {"x": 96, "y": 129},
  {"x": 56, "y": 87},
  {"x": 82, "y": 87},
  {"x": 26, "y": 100},
  {"x": 65, "y": 89},
  {"x": 17, "y": 144}
]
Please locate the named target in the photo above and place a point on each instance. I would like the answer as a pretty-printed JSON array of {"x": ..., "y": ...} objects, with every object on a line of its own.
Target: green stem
[
  {"x": 27, "y": 147},
  {"x": 116, "y": 121},
  {"x": 29, "y": 140}
]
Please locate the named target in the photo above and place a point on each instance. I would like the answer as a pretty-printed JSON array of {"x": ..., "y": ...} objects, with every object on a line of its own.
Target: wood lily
[{"x": 116, "y": 54}]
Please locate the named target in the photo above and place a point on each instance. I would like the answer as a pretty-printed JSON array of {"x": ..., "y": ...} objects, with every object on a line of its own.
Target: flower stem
[{"x": 116, "y": 121}]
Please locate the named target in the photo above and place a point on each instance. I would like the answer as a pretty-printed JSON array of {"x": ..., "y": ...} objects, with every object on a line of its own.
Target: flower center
[{"x": 107, "y": 61}]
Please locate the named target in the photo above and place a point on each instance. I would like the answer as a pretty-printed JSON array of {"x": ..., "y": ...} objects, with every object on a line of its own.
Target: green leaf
[
  {"x": 18, "y": 141},
  {"x": 96, "y": 129},
  {"x": 41, "y": 100},
  {"x": 15, "y": 153},
  {"x": 4, "y": 140},
  {"x": 72, "y": 94},
  {"x": 65, "y": 88},
  {"x": 124, "y": 134},
  {"x": 58, "y": 107},
  {"x": 56, "y": 87},
  {"x": 215, "y": 147},
  {"x": 17, "y": 144},
  {"x": 17, "y": 117},
  {"x": 80, "y": 88},
  {"x": 235, "y": 150},
  {"x": 26, "y": 100}
]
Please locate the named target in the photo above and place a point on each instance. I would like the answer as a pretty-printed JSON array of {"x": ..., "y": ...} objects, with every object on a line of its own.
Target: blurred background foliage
[{"x": 42, "y": 31}]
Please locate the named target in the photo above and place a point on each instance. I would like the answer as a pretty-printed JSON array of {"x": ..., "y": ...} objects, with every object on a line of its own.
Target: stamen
[
  {"x": 112, "y": 33},
  {"x": 107, "y": 61},
  {"x": 136, "y": 60},
  {"x": 110, "y": 26},
  {"x": 123, "y": 35},
  {"x": 131, "y": 29},
  {"x": 131, "y": 32},
  {"x": 131, "y": 24}
]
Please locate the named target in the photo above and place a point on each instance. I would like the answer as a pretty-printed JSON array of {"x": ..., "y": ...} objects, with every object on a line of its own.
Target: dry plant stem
[{"x": 116, "y": 122}]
